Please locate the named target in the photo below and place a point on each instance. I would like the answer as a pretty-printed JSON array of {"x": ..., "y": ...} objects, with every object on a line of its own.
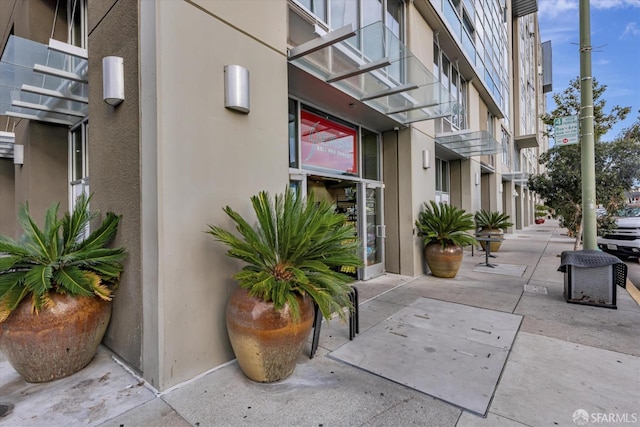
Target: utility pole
[{"x": 586, "y": 132}]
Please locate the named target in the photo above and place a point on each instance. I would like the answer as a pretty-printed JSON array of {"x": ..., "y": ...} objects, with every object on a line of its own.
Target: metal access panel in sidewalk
[{"x": 453, "y": 352}]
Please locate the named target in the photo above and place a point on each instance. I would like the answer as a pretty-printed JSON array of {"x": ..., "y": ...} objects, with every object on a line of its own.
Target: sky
[{"x": 615, "y": 59}]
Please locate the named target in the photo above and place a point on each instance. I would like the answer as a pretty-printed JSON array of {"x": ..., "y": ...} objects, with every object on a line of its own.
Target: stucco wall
[
  {"x": 7, "y": 198},
  {"x": 114, "y": 165},
  {"x": 208, "y": 157}
]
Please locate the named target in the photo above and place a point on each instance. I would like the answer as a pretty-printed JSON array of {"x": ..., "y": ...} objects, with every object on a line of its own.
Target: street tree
[{"x": 617, "y": 163}]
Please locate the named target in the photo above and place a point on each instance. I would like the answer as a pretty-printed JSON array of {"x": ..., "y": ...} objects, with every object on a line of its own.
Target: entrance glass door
[{"x": 372, "y": 229}]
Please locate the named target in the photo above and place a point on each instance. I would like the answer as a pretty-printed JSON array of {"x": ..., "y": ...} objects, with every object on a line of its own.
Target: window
[
  {"x": 77, "y": 13},
  {"x": 506, "y": 158},
  {"x": 442, "y": 175},
  {"x": 293, "y": 134},
  {"x": 452, "y": 81},
  {"x": 359, "y": 13},
  {"x": 316, "y": 7},
  {"x": 370, "y": 155},
  {"x": 78, "y": 162},
  {"x": 78, "y": 135}
]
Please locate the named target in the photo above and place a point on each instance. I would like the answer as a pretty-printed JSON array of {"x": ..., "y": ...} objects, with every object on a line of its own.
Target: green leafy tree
[{"x": 617, "y": 163}]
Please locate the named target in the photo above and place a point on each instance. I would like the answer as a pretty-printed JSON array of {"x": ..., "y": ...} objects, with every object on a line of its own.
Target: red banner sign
[{"x": 328, "y": 145}]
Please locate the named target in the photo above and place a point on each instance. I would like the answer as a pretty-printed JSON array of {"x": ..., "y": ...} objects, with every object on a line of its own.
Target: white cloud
[
  {"x": 630, "y": 30},
  {"x": 554, "y": 8},
  {"x": 610, "y": 4}
]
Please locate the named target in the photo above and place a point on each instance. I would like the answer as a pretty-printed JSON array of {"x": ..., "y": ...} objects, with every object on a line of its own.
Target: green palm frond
[
  {"x": 294, "y": 248},
  {"x": 57, "y": 259},
  {"x": 74, "y": 224},
  {"x": 446, "y": 224},
  {"x": 492, "y": 219}
]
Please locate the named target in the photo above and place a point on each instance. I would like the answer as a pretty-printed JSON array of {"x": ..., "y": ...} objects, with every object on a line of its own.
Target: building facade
[{"x": 376, "y": 105}]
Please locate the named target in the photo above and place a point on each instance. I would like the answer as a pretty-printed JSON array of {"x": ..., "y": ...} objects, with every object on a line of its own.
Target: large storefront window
[
  {"x": 341, "y": 162},
  {"x": 327, "y": 146}
]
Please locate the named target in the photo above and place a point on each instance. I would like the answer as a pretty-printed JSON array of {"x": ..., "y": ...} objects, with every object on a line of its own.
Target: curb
[{"x": 633, "y": 291}]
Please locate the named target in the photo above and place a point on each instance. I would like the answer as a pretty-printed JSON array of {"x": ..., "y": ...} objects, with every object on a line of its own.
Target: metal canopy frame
[
  {"x": 7, "y": 141},
  {"x": 468, "y": 143},
  {"x": 46, "y": 83},
  {"x": 374, "y": 67}
]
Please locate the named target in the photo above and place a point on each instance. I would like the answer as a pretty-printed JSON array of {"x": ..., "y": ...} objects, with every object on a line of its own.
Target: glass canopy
[
  {"x": 469, "y": 143},
  {"x": 44, "y": 82},
  {"x": 7, "y": 139},
  {"x": 373, "y": 66},
  {"x": 519, "y": 178}
]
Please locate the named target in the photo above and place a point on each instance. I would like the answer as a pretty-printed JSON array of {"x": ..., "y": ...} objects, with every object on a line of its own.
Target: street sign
[{"x": 566, "y": 130}]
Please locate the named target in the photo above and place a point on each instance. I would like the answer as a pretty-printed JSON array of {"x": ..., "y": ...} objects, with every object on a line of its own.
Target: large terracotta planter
[
  {"x": 266, "y": 341},
  {"x": 443, "y": 262},
  {"x": 493, "y": 232},
  {"x": 59, "y": 341}
]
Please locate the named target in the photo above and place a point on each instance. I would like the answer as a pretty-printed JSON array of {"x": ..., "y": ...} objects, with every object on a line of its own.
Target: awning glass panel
[
  {"x": 518, "y": 177},
  {"x": 376, "y": 68},
  {"x": 40, "y": 83},
  {"x": 7, "y": 139},
  {"x": 527, "y": 141},
  {"x": 469, "y": 143}
]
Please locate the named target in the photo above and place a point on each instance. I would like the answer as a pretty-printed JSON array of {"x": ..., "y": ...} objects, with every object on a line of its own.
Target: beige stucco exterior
[{"x": 171, "y": 156}]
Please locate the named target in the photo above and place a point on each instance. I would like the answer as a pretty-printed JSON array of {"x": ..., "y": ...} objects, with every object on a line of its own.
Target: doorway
[{"x": 362, "y": 203}]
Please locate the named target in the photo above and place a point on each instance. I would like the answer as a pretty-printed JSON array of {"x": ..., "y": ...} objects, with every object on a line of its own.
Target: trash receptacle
[{"x": 591, "y": 277}]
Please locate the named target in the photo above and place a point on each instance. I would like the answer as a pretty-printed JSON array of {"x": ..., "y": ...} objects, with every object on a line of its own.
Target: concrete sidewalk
[{"x": 568, "y": 362}]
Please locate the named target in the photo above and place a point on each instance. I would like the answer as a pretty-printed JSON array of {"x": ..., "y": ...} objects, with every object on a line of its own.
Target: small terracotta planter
[
  {"x": 443, "y": 262},
  {"x": 266, "y": 341},
  {"x": 59, "y": 341}
]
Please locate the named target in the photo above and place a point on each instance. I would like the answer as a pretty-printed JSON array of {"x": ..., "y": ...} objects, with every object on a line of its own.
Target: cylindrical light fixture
[
  {"x": 236, "y": 88},
  {"x": 113, "y": 80},
  {"x": 18, "y": 154},
  {"x": 426, "y": 159}
]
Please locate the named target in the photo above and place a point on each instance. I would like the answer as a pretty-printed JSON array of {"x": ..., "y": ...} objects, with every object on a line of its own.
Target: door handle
[{"x": 381, "y": 231}]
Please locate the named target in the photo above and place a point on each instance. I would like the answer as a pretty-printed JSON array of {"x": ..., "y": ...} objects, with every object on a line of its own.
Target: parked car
[{"x": 623, "y": 241}]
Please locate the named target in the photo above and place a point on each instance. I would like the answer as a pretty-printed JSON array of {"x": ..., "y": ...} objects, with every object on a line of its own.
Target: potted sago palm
[
  {"x": 444, "y": 230},
  {"x": 293, "y": 257},
  {"x": 56, "y": 286},
  {"x": 492, "y": 224}
]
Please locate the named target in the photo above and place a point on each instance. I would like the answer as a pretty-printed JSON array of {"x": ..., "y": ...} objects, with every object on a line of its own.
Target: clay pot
[
  {"x": 443, "y": 262},
  {"x": 57, "y": 342},
  {"x": 266, "y": 341},
  {"x": 493, "y": 232}
]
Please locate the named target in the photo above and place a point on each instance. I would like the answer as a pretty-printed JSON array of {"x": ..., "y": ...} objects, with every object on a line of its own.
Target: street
[{"x": 633, "y": 271}]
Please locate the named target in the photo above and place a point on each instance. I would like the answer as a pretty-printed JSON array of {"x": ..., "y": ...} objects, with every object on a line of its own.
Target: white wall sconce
[
  {"x": 113, "y": 80},
  {"x": 477, "y": 178},
  {"x": 236, "y": 88},
  {"x": 426, "y": 159},
  {"x": 501, "y": 189},
  {"x": 18, "y": 154}
]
